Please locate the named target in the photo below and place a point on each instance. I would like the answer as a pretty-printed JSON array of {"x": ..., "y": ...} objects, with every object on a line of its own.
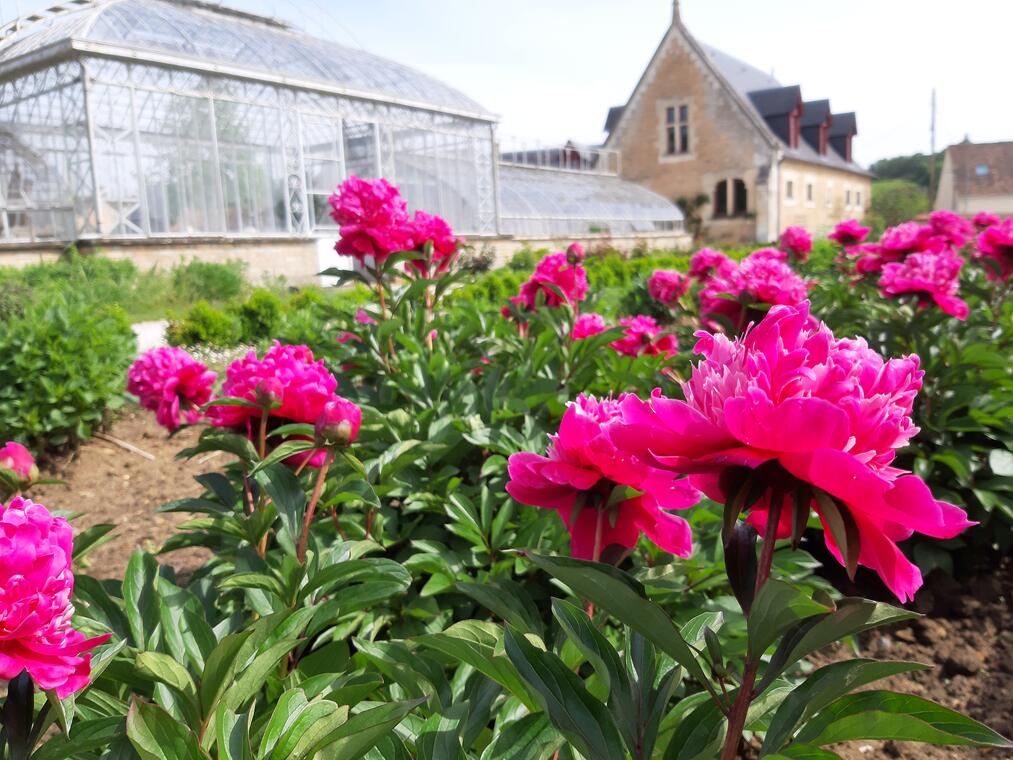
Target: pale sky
[{"x": 552, "y": 68}]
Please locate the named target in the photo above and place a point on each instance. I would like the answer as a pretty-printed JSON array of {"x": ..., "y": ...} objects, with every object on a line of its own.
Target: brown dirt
[{"x": 108, "y": 484}]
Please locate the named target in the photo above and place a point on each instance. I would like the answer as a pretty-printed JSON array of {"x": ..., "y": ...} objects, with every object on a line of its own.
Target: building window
[
  {"x": 981, "y": 170},
  {"x": 830, "y": 194},
  {"x": 858, "y": 198},
  {"x": 740, "y": 200},
  {"x": 789, "y": 190},
  {"x": 676, "y": 130},
  {"x": 721, "y": 199},
  {"x": 847, "y": 199},
  {"x": 809, "y": 192}
]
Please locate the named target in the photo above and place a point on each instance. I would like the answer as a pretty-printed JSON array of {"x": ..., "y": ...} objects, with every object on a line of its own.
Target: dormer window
[{"x": 675, "y": 130}]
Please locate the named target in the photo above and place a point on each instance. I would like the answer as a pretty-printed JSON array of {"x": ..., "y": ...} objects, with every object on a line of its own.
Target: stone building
[
  {"x": 977, "y": 177},
  {"x": 702, "y": 124}
]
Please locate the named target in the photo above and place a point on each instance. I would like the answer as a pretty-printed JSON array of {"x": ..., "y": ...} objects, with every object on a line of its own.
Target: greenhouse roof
[
  {"x": 534, "y": 193},
  {"x": 205, "y": 36}
]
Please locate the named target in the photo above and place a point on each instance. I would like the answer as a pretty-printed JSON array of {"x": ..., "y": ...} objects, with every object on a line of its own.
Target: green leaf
[
  {"x": 164, "y": 669},
  {"x": 776, "y": 608},
  {"x": 902, "y": 717},
  {"x": 140, "y": 599},
  {"x": 804, "y": 752},
  {"x": 474, "y": 642},
  {"x": 623, "y": 597},
  {"x": 529, "y": 738},
  {"x": 822, "y": 687},
  {"x": 592, "y": 644},
  {"x": 288, "y": 496},
  {"x": 507, "y": 599},
  {"x": 86, "y": 736},
  {"x": 156, "y": 735},
  {"x": 232, "y": 733},
  {"x": 250, "y": 680},
  {"x": 572, "y": 710},
  {"x": 221, "y": 666},
  {"x": 362, "y": 731},
  {"x": 281, "y": 452},
  {"x": 698, "y": 735}
]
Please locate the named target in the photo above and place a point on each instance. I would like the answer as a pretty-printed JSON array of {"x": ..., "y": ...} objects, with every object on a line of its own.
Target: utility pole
[{"x": 932, "y": 151}]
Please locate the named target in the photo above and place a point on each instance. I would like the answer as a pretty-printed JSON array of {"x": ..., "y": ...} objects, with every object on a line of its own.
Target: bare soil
[
  {"x": 967, "y": 631},
  {"x": 108, "y": 484}
]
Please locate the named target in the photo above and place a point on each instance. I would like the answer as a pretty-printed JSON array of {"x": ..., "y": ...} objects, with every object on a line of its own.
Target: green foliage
[
  {"x": 895, "y": 201},
  {"x": 210, "y": 281},
  {"x": 259, "y": 316},
  {"x": 62, "y": 366},
  {"x": 204, "y": 324},
  {"x": 914, "y": 168}
]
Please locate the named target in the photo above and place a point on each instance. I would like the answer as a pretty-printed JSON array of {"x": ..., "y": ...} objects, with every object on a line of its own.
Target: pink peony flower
[
  {"x": 579, "y": 475},
  {"x": 643, "y": 336},
  {"x": 816, "y": 412},
  {"x": 896, "y": 243},
  {"x": 35, "y": 608},
  {"x": 554, "y": 272},
  {"x": 306, "y": 386},
  {"x": 17, "y": 459},
  {"x": 769, "y": 253},
  {"x": 797, "y": 241},
  {"x": 996, "y": 243},
  {"x": 373, "y": 217},
  {"x": 363, "y": 318},
  {"x": 954, "y": 229},
  {"x": 575, "y": 252},
  {"x": 429, "y": 228},
  {"x": 587, "y": 325},
  {"x": 929, "y": 276},
  {"x": 338, "y": 423},
  {"x": 707, "y": 262},
  {"x": 667, "y": 286},
  {"x": 984, "y": 219},
  {"x": 761, "y": 278},
  {"x": 171, "y": 383},
  {"x": 849, "y": 232}
]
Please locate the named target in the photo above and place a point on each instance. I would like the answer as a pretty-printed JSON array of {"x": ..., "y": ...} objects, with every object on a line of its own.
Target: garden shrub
[
  {"x": 62, "y": 367},
  {"x": 204, "y": 324},
  {"x": 209, "y": 281},
  {"x": 259, "y": 316}
]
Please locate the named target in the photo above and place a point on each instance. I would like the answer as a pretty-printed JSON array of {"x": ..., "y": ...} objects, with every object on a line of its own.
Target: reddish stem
[{"x": 311, "y": 508}]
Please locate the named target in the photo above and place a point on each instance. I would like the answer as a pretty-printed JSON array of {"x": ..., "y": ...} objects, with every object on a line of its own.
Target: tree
[
  {"x": 895, "y": 201},
  {"x": 914, "y": 168}
]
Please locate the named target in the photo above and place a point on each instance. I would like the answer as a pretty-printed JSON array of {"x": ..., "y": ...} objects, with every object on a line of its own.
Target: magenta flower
[
  {"x": 896, "y": 243},
  {"x": 667, "y": 286},
  {"x": 952, "y": 228},
  {"x": 429, "y": 228},
  {"x": 554, "y": 273},
  {"x": 363, "y": 318},
  {"x": 338, "y": 423},
  {"x": 644, "y": 336},
  {"x": 984, "y": 219},
  {"x": 171, "y": 383},
  {"x": 849, "y": 233},
  {"x": 373, "y": 217},
  {"x": 707, "y": 262},
  {"x": 826, "y": 413},
  {"x": 305, "y": 385},
  {"x": 35, "y": 609},
  {"x": 930, "y": 277},
  {"x": 762, "y": 277},
  {"x": 996, "y": 243},
  {"x": 580, "y": 474},
  {"x": 797, "y": 241},
  {"x": 17, "y": 459},
  {"x": 587, "y": 325},
  {"x": 575, "y": 252}
]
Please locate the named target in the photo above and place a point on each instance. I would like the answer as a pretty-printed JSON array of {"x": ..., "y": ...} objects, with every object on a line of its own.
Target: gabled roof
[
  {"x": 814, "y": 113},
  {"x": 202, "y": 35},
  {"x": 982, "y": 168},
  {"x": 844, "y": 125},
  {"x": 614, "y": 115},
  {"x": 776, "y": 101}
]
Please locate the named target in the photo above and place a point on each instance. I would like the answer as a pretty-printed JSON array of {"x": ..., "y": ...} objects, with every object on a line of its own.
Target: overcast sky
[{"x": 552, "y": 68}]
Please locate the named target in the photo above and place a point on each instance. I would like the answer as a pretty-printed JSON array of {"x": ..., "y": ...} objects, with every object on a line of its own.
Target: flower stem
[
  {"x": 311, "y": 508},
  {"x": 596, "y": 551},
  {"x": 737, "y": 717}
]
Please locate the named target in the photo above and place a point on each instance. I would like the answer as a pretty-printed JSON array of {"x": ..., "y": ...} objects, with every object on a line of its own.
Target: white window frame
[{"x": 676, "y": 104}]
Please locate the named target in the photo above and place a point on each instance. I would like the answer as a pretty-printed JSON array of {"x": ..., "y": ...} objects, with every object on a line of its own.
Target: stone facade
[{"x": 754, "y": 183}]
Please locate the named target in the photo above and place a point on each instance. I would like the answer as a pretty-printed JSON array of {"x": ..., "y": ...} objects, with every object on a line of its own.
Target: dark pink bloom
[
  {"x": 171, "y": 383},
  {"x": 338, "y": 423},
  {"x": 587, "y": 325},
  {"x": 429, "y": 228},
  {"x": 644, "y": 336},
  {"x": 896, "y": 243},
  {"x": 829, "y": 413},
  {"x": 483, "y": 362},
  {"x": 306, "y": 386},
  {"x": 952, "y": 228},
  {"x": 575, "y": 252},
  {"x": 373, "y": 217},
  {"x": 554, "y": 273},
  {"x": 762, "y": 277},
  {"x": 19, "y": 460},
  {"x": 667, "y": 286},
  {"x": 363, "y": 318},
  {"x": 984, "y": 219},
  {"x": 707, "y": 262},
  {"x": 797, "y": 241},
  {"x": 769, "y": 253},
  {"x": 849, "y": 233},
  {"x": 996, "y": 243},
  {"x": 579, "y": 475},
  {"x": 35, "y": 608},
  {"x": 348, "y": 337},
  {"x": 930, "y": 277}
]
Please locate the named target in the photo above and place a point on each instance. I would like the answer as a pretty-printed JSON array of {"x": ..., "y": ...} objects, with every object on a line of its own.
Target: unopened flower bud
[
  {"x": 268, "y": 393},
  {"x": 19, "y": 460},
  {"x": 574, "y": 253},
  {"x": 338, "y": 423}
]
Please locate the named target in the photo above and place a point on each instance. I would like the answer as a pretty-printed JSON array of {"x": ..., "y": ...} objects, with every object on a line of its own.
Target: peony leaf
[
  {"x": 842, "y": 527},
  {"x": 156, "y": 735},
  {"x": 776, "y": 608},
  {"x": 361, "y": 732}
]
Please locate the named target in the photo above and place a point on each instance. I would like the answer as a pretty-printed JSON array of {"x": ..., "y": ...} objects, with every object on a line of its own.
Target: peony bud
[
  {"x": 18, "y": 459},
  {"x": 338, "y": 423},
  {"x": 574, "y": 253},
  {"x": 269, "y": 393}
]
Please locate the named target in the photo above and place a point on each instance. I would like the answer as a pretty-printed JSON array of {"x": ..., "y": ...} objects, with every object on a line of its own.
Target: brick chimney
[{"x": 676, "y": 16}]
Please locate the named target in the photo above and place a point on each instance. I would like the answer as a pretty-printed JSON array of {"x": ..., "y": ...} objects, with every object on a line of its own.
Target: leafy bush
[
  {"x": 895, "y": 201},
  {"x": 208, "y": 281},
  {"x": 62, "y": 366},
  {"x": 204, "y": 324},
  {"x": 259, "y": 316}
]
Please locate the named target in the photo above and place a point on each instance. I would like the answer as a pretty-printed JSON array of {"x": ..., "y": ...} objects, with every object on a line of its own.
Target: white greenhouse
[{"x": 171, "y": 128}]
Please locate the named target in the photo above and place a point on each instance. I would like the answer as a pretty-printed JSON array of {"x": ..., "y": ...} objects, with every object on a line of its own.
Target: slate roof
[
  {"x": 815, "y": 113},
  {"x": 776, "y": 101}
]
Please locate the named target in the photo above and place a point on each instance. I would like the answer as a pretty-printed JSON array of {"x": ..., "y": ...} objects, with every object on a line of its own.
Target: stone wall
[
  {"x": 836, "y": 195},
  {"x": 505, "y": 248}
]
